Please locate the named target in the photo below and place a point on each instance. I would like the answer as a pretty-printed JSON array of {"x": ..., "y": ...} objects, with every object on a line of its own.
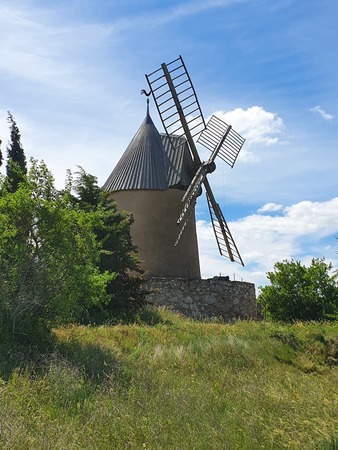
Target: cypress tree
[{"x": 16, "y": 160}]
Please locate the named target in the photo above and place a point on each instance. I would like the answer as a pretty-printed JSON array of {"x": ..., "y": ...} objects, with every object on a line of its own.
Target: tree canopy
[
  {"x": 16, "y": 160},
  {"x": 0, "y": 153},
  {"x": 297, "y": 292},
  {"x": 61, "y": 255},
  {"x": 118, "y": 254}
]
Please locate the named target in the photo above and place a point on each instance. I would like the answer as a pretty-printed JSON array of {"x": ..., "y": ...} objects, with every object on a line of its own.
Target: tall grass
[{"x": 176, "y": 384}]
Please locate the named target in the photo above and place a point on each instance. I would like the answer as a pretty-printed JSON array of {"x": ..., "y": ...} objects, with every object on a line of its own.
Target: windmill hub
[
  {"x": 210, "y": 167},
  {"x": 192, "y": 169}
]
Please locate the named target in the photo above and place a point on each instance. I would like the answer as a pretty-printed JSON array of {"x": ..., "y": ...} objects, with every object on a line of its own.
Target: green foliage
[
  {"x": 16, "y": 159},
  {"x": 118, "y": 254},
  {"x": 48, "y": 258},
  {"x": 63, "y": 257},
  {"x": 178, "y": 384},
  {"x": 298, "y": 292}
]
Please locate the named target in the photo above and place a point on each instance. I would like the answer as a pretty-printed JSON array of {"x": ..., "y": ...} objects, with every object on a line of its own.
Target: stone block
[{"x": 204, "y": 298}]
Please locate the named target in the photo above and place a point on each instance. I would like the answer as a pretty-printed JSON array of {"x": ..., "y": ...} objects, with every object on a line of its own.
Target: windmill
[{"x": 181, "y": 116}]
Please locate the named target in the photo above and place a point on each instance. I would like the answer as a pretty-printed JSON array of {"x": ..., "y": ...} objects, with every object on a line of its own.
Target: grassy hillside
[{"x": 174, "y": 384}]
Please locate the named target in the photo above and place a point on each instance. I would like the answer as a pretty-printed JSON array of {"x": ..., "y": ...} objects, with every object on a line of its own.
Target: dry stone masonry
[{"x": 217, "y": 297}]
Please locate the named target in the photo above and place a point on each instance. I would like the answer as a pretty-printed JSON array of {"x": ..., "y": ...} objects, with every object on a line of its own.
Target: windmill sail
[
  {"x": 194, "y": 190},
  {"x": 225, "y": 242},
  {"x": 176, "y": 101},
  {"x": 179, "y": 110},
  {"x": 191, "y": 194},
  {"x": 218, "y": 134}
]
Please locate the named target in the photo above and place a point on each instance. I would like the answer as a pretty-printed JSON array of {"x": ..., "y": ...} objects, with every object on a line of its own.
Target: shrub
[
  {"x": 298, "y": 292},
  {"x": 48, "y": 258}
]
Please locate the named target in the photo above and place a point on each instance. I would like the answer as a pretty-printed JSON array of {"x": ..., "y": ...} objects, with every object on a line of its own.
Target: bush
[
  {"x": 63, "y": 257},
  {"x": 49, "y": 258},
  {"x": 118, "y": 254},
  {"x": 298, "y": 292}
]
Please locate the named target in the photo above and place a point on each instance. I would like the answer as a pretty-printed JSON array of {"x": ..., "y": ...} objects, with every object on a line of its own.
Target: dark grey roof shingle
[
  {"x": 143, "y": 165},
  {"x": 150, "y": 162},
  {"x": 179, "y": 162}
]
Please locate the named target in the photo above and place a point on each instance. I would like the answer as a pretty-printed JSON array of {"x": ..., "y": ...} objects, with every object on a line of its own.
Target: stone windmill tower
[
  {"x": 149, "y": 182},
  {"x": 159, "y": 177}
]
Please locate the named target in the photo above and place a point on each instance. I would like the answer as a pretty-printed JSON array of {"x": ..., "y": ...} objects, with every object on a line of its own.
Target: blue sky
[{"x": 71, "y": 74}]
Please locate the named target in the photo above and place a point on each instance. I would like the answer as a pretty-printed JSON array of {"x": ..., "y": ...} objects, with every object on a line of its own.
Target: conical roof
[{"x": 144, "y": 164}]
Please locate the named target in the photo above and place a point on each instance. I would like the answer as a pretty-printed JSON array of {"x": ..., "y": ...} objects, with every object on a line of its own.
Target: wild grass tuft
[{"x": 165, "y": 382}]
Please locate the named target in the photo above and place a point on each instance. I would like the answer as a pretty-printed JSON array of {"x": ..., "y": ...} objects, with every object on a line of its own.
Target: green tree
[
  {"x": 0, "y": 153},
  {"x": 298, "y": 292},
  {"x": 16, "y": 160},
  {"x": 118, "y": 254},
  {"x": 49, "y": 257}
]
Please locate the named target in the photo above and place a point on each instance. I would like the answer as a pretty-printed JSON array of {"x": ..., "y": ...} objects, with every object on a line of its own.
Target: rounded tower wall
[{"x": 154, "y": 232}]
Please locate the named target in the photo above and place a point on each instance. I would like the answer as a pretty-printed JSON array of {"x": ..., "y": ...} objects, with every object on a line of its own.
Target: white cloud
[
  {"x": 257, "y": 125},
  {"x": 322, "y": 113},
  {"x": 161, "y": 17},
  {"x": 262, "y": 240},
  {"x": 34, "y": 49},
  {"x": 270, "y": 207},
  {"x": 195, "y": 7}
]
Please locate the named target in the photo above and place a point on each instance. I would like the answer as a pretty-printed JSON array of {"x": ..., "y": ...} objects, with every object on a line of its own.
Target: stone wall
[{"x": 216, "y": 297}]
